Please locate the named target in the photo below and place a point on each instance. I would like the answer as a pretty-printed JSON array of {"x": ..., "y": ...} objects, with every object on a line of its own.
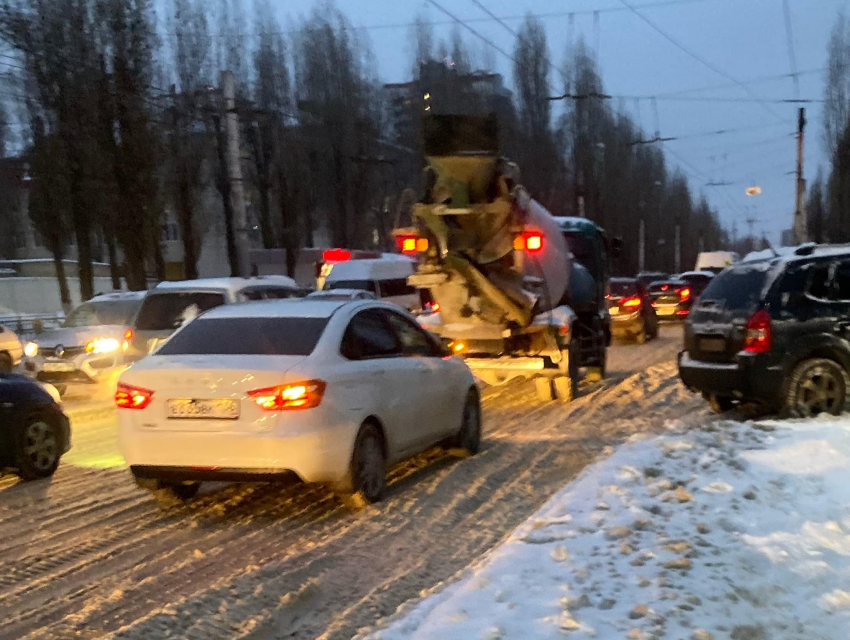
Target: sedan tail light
[
  {"x": 684, "y": 294},
  {"x": 296, "y": 395},
  {"x": 130, "y": 397},
  {"x": 758, "y": 338},
  {"x": 631, "y": 302}
]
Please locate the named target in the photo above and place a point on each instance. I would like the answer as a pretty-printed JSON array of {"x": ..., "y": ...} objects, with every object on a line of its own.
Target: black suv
[{"x": 775, "y": 332}]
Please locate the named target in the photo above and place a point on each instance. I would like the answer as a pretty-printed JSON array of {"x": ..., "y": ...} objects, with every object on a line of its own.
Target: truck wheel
[
  {"x": 817, "y": 386},
  {"x": 566, "y": 388},
  {"x": 544, "y": 389}
]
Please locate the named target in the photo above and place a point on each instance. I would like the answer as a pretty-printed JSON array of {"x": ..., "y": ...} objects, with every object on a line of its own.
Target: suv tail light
[
  {"x": 296, "y": 395},
  {"x": 758, "y": 333},
  {"x": 631, "y": 302},
  {"x": 130, "y": 397},
  {"x": 684, "y": 294}
]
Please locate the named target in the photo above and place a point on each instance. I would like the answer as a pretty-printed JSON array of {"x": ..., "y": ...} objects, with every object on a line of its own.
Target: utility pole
[
  {"x": 642, "y": 246},
  {"x": 677, "y": 251},
  {"x": 234, "y": 173},
  {"x": 800, "y": 223}
]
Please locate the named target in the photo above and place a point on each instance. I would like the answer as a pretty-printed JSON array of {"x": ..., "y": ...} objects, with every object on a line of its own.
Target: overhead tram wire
[
  {"x": 792, "y": 58},
  {"x": 437, "y": 6},
  {"x": 696, "y": 56}
]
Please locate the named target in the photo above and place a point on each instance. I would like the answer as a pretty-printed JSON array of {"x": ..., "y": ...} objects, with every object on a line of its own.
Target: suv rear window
[
  {"x": 168, "y": 311},
  {"x": 736, "y": 288},
  {"x": 623, "y": 289},
  {"x": 365, "y": 285},
  {"x": 246, "y": 337}
]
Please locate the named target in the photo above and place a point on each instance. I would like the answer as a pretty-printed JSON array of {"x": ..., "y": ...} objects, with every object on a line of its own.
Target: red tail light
[
  {"x": 685, "y": 294},
  {"x": 297, "y": 395},
  {"x": 412, "y": 244},
  {"x": 758, "y": 333},
  {"x": 432, "y": 307},
  {"x": 128, "y": 335},
  {"x": 336, "y": 255},
  {"x": 530, "y": 241},
  {"x": 631, "y": 302},
  {"x": 130, "y": 397}
]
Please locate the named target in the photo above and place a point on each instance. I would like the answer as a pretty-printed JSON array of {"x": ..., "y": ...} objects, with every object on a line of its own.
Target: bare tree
[{"x": 836, "y": 108}]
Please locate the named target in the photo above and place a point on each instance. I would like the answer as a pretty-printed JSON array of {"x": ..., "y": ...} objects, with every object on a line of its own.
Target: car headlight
[
  {"x": 31, "y": 349},
  {"x": 102, "y": 345}
]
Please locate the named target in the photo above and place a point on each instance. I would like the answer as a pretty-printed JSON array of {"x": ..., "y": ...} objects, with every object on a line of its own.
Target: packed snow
[{"x": 729, "y": 530}]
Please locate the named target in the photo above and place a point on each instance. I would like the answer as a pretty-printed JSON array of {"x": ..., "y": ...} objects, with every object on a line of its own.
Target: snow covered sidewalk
[{"x": 732, "y": 530}]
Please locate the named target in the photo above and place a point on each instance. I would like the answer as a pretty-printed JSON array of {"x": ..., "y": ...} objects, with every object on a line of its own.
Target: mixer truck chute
[{"x": 497, "y": 263}]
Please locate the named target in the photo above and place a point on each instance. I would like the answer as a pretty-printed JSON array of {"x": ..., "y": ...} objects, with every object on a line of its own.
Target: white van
[
  {"x": 384, "y": 277},
  {"x": 715, "y": 261}
]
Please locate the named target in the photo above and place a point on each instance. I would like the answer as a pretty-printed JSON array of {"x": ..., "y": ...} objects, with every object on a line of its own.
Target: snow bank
[{"x": 735, "y": 531}]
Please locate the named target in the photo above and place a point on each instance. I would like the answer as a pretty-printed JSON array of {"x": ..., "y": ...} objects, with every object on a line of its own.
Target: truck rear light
[
  {"x": 296, "y": 395},
  {"x": 130, "y": 397},
  {"x": 758, "y": 338},
  {"x": 336, "y": 255},
  {"x": 532, "y": 242},
  {"x": 631, "y": 302}
]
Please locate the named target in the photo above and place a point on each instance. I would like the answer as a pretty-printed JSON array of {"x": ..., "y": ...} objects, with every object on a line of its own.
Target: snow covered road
[{"x": 89, "y": 555}]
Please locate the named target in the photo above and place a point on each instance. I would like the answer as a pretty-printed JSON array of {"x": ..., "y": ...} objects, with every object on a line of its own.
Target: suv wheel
[{"x": 817, "y": 386}]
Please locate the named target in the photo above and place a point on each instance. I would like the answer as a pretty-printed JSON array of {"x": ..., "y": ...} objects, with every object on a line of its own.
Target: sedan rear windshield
[
  {"x": 623, "y": 289},
  {"x": 660, "y": 288},
  {"x": 736, "y": 289},
  {"x": 169, "y": 311},
  {"x": 364, "y": 285},
  {"x": 246, "y": 337}
]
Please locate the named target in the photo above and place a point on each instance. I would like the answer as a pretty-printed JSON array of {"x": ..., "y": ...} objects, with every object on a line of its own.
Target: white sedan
[{"x": 333, "y": 391}]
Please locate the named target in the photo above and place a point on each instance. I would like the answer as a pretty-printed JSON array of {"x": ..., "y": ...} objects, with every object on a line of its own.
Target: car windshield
[
  {"x": 101, "y": 313},
  {"x": 168, "y": 311},
  {"x": 736, "y": 289},
  {"x": 247, "y": 337},
  {"x": 623, "y": 289}
]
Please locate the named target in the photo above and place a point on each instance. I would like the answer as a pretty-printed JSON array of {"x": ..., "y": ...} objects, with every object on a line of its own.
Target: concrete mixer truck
[{"x": 499, "y": 268}]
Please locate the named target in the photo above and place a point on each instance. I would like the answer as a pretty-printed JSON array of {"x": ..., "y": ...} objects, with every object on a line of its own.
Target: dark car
[
  {"x": 697, "y": 281},
  {"x": 632, "y": 315},
  {"x": 671, "y": 299},
  {"x": 34, "y": 431},
  {"x": 648, "y": 277},
  {"x": 775, "y": 332}
]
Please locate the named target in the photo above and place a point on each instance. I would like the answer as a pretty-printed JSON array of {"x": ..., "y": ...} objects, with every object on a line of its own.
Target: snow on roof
[
  {"x": 232, "y": 285},
  {"x": 291, "y": 308},
  {"x": 119, "y": 295},
  {"x": 799, "y": 252},
  {"x": 379, "y": 269}
]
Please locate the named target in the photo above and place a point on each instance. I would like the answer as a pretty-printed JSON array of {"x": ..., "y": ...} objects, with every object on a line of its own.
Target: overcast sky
[{"x": 744, "y": 39}]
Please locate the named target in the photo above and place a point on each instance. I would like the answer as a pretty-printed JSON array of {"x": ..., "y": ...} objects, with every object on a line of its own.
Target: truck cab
[{"x": 591, "y": 271}]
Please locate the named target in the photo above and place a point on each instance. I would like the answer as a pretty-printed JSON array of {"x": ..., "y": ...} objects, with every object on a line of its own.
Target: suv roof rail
[{"x": 806, "y": 249}]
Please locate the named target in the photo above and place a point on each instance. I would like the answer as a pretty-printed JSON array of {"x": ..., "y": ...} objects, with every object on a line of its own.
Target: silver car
[{"x": 91, "y": 345}]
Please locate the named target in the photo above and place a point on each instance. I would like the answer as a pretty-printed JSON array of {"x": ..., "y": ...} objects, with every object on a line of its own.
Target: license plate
[
  {"x": 614, "y": 311},
  {"x": 712, "y": 345},
  {"x": 665, "y": 311},
  {"x": 59, "y": 367},
  {"x": 190, "y": 408}
]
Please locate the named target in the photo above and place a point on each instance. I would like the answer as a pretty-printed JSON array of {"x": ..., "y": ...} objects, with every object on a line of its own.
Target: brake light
[
  {"x": 336, "y": 255},
  {"x": 297, "y": 395},
  {"x": 130, "y": 397},
  {"x": 631, "y": 302},
  {"x": 432, "y": 307},
  {"x": 408, "y": 244},
  {"x": 128, "y": 335},
  {"x": 685, "y": 293},
  {"x": 532, "y": 242},
  {"x": 758, "y": 339}
]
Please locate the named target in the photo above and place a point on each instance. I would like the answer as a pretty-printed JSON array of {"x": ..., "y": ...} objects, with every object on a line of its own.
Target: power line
[
  {"x": 696, "y": 56},
  {"x": 470, "y": 29},
  {"x": 726, "y": 85},
  {"x": 792, "y": 58}
]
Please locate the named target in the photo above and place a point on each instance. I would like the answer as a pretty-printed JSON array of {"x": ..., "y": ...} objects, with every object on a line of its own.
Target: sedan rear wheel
[
  {"x": 817, "y": 386},
  {"x": 38, "y": 449},
  {"x": 469, "y": 436},
  {"x": 367, "y": 473}
]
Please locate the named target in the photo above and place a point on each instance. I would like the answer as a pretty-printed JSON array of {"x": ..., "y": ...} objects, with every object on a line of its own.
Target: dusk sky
[{"x": 744, "y": 39}]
